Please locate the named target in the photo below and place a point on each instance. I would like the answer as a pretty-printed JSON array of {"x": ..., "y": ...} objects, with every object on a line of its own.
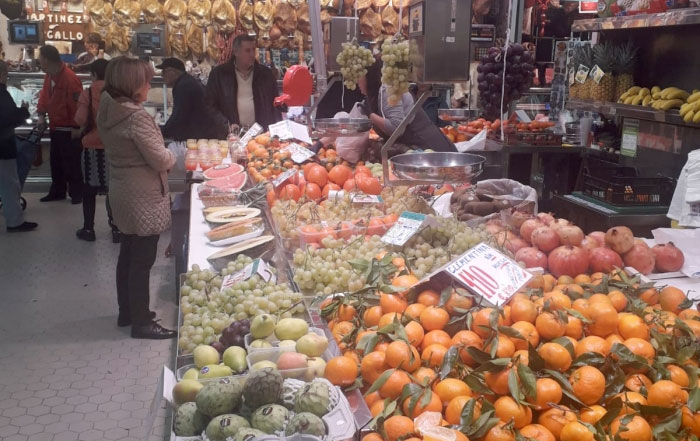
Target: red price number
[{"x": 479, "y": 279}]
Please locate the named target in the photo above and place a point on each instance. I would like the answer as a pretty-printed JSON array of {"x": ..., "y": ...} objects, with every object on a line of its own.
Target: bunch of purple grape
[
  {"x": 233, "y": 335},
  {"x": 518, "y": 78}
]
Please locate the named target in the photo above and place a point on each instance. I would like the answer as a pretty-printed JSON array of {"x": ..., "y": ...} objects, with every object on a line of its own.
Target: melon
[
  {"x": 235, "y": 182},
  {"x": 252, "y": 247},
  {"x": 223, "y": 171},
  {"x": 232, "y": 214}
]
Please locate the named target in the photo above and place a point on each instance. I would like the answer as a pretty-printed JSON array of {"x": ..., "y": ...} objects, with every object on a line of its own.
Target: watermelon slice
[
  {"x": 235, "y": 182},
  {"x": 223, "y": 171}
]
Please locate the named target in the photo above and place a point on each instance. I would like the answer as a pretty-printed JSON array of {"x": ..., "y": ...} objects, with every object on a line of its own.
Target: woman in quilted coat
[{"x": 138, "y": 188}]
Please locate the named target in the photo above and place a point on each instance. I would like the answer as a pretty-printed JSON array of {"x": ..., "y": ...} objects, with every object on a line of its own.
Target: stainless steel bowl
[
  {"x": 457, "y": 115},
  {"x": 438, "y": 166},
  {"x": 342, "y": 126}
]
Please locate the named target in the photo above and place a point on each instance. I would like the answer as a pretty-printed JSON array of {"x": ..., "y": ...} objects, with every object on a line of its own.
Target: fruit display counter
[{"x": 338, "y": 328}]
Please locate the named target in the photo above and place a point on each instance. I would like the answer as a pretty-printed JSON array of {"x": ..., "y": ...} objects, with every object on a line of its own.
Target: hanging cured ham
[
  {"x": 117, "y": 38},
  {"x": 153, "y": 11},
  {"x": 364, "y": 4},
  {"x": 246, "y": 16},
  {"x": 213, "y": 49},
  {"x": 126, "y": 12},
  {"x": 199, "y": 12},
  {"x": 371, "y": 24},
  {"x": 262, "y": 14},
  {"x": 100, "y": 12},
  {"x": 195, "y": 40},
  {"x": 223, "y": 16},
  {"x": 390, "y": 20},
  {"x": 380, "y": 3},
  {"x": 178, "y": 44},
  {"x": 303, "y": 19},
  {"x": 176, "y": 13},
  {"x": 285, "y": 18}
]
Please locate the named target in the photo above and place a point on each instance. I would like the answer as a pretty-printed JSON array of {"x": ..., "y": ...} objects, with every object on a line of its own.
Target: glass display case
[{"x": 535, "y": 101}]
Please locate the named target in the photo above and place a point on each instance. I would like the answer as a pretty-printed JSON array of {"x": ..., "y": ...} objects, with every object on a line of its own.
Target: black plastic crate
[{"x": 629, "y": 190}]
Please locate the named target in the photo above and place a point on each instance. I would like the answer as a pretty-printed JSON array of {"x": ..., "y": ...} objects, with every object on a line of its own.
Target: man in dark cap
[{"x": 191, "y": 117}]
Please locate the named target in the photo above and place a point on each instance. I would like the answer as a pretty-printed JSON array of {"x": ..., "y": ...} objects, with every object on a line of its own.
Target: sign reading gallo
[{"x": 66, "y": 26}]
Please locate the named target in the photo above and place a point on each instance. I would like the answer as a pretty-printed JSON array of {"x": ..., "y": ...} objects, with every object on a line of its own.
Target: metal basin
[
  {"x": 438, "y": 166},
  {"x": 342, "y": 126}
]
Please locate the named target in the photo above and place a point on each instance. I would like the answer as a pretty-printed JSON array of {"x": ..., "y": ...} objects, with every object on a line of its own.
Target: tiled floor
[{"x": 67, "y": 372}]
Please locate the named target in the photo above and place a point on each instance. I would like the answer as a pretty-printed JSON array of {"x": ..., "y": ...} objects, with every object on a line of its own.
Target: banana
[
  {"x": 670, "y": 104},
  {"x": 696, "y": 118},
  {"x": 644, "y": 92},
  {"x": 647, "y": 101},
  {"x": 689, "y": 116},
  {"x": 655, "y": 89},
  {"x": 677, "y": 94},
  {"x": 668, "y": 90},
  {"x": 624, "y": 96},
  {"x": 685, "y": 108},
  {"x": 629, "y": 99},
  {"x": 694, "y": 97},
  {"x": 637, "y": 100},
  {"x": 634, "y": 90},
  {"x": 656, "y": 95}
]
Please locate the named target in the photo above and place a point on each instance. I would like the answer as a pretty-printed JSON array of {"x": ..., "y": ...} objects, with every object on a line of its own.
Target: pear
[
  {"x": 234, "y": 358},
  {"x": 312, "y": 345},
  {"x": 186, "y": 391},
  {"x": 215, "y": 371},
  {"x": 205, "y": 355},
  {"x": 287, "y": 345},
  {"x": 291, "y": 328},
  {"x": 262, "y": 326},
  {"x": 263, "y": 364},
  {"x": 317, "y": 366},
  {"x": 191, "y": 374},
  {"x": 260, "y": 344}
]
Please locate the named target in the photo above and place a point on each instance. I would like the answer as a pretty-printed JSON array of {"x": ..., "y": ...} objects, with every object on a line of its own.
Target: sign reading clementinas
[{"x": 62, "y": 26}]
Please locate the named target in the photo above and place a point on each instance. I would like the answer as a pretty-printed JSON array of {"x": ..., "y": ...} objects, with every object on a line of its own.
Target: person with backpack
[{"x": 94, "y": 162}]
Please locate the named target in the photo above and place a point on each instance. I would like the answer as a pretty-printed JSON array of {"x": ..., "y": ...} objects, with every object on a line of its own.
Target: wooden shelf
[
  {"x": 630, "y": 111},
  {"x": 678, "y": 17}
]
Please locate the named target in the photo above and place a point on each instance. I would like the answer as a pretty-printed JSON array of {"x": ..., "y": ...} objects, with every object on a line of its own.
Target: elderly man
[
  {"x": 242, "y": 89},
  {"x": 11, "y": 116}
]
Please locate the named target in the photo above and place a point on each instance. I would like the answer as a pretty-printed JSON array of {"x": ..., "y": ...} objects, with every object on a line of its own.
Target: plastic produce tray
[{"x": 629, "y": 191}]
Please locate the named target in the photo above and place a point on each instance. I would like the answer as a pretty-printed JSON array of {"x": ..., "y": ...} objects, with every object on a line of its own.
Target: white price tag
[
  {"x": 366, "y": 199},
  {"x": 630, "y": 135},
  {"x": 281, "y": 178},
  {"x": 489, "y": 273},
  {"x": 252, "y": 132},
  {"x": 290, "y": 130},
  {"x": 298, "y": 153},
  {"x": 258, "y": 266},
  {"x": 405, "y": 227},
  {"x": 582, "y": 73},
  {"x": 597, "y": 74},
  {"x": 280, "y": 130}
]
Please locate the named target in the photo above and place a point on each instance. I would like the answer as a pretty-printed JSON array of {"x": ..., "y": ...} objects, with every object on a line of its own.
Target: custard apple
[
  {"x": 270, "y": 418},
  {"x": 189, "y": 421},
  {"x": 314, "y": 397},
  {"x": 306, "y": 423},
  {"x": 262, "y": 387},
  {"x": 219, "y": 397},
  {"x": 248, "y": 434},
  {"x": 224, "y": 426}
]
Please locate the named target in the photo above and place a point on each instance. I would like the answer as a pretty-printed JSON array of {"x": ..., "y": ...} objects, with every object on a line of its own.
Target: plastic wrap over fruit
[
  {"x": 199, "y": 12},
  {"x": 153, "y": 11},
  {"x": 246, "y": 15},
  {"x": 176, "y": 13},
  {"x": 223, "y": 16},
  {"x": 100, "y": 12},
  {"x": 127, "y": 12}
]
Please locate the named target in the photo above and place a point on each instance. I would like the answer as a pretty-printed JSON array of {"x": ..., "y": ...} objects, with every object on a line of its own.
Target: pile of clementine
[{"x": 592, "y": 357}]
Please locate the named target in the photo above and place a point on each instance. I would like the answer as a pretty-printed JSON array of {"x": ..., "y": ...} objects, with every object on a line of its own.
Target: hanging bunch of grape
[
  {"x": 518, "y": 78},
  {"x": 395, "y": 68},
  {"x": 353, "y": 60}
]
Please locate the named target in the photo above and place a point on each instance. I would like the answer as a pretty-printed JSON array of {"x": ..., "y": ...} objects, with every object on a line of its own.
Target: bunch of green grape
[
  {"x": 395, "y": 71},
  {"x": 353, "y": 60}
]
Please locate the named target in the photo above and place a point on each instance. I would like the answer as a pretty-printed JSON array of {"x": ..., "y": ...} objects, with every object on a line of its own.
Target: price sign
[
  {"x": 281, "y": 130},
  {"x": 597, "y": 74},
  {"x": 258, "y": 266},
  {"x": 582, "y": 73},
  {"x": 298, "y": 153},
  {"x": 630, "y": 135},
  {"x": 279, "y": 180},
  {"x": 252, "y": 132},
  {"x": 405, "y": 227},
  {"x": 366, "y": 199},
  {"x": 290, "y": 130},
  {"x": 487, "y": 272}
]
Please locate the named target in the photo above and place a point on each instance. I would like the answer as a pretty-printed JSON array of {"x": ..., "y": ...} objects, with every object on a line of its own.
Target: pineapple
[
  {"x": 604, "y": 57},
  {"x": 574, "y": 89},
  {"x": 587, "y": 60},
  {"x": 626, "y": 57}
]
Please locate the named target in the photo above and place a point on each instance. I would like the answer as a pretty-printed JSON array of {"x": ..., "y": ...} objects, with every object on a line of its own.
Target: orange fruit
[
  {"x": 588, "y": 384},
  {"x": 460, "y": 436},
  {"x": 405, "y": 281},
  {"x": 637, "y": 429},
  {"x": 424, "y": 375},
  {"x": 372, "y": 398},
  {"x": 341, "y": 329},
  {"x": 689, "y": 314},
  {"x": 453, "y": 411},
  {"x": 523, "y": 310},
  {"x": 549, "y": 326},
  {"x": 575, "y": 431},
  {"x": 508, "y": 409},
  {"x": 592, "y": 414},
  {"x": 339, "y": 174},
  {"x": 400, "y": 354},
  {"x": 369, "y": 184},
  {"x": 341, "y": 371},
  {"x": 529, "y": 333},
  {"x": 614, "y": 338},
  {"x": 678, "y": 375},
  {"x": 603, "y": 316},
  {"x": 434, "y": 405},
  {"x": 433, "y": 355},
  {"x": 328, "y": 188},
  {"x": 555, "y": 356},
  {"x": 650, "y": 296},
  {"x": 636, "y": 381},
  {"x": 362, "y": 334},
  {"x": 573, "y": 328},
  {"x": 500, "y": 432},
  {"x": 521, "y": 357},
  {"x": 536, "y": 431},
  {"x": 439, "y": 337},
  {"x": 556, "y": 418},
  {"x": 671, "y": 298},
  {"x": 377, "y": 408},
  {"x": 632, "y": 326},
  {"x": 450, "y": 388},
  {"x": 290, "y": 191},
  {"x": 694, "y": 326},
  {"x": 372, "y": 315},
  {"x": 498, "y": 381},
  {"x": 505, "y": 347},
  {"x": 458, "y": 303},
  {"x": 691, "y": 421},
  {"x": 433, "y": 318},
  {"x": 372, "y": 366},
  {"x": 388, "y": 318},
  {"x": 581, "y": 305},
  {"x": 398, "y": 426},
  {"x": 394, "y": 384},
  {"x": 374, "y": 436},
  {"x": 414, "y": 309},
  {"x": 547, "y": 391},
  {"x": 346, "y": 312},
  {"x": 414, "y": 332},
  {"x": 481, "y": 322},
  {"x": 428, "y": 298},
  {"x": 466, "y": 339},
  {"x": 628, "y": 398},
  {"x": 666, "y": 393},
  {"x": 582, "y": 278},
  {"x": 640, "y": 347},
  {"x": 392, "y": 303},
  {"x": 557, "y": 300},
  {"x": 618, "y": 300}
]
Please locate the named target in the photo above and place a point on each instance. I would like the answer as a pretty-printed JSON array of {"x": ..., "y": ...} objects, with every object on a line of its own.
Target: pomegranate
[
  {"x": 620, "y": 239},
  {"x": 494, "y": 226},
  {"x": 558, "y": 224},
  {"x": 545, "y": 239},
  {"x": 589, "y": 244},
  {"x": 568, "y": 261},
  {"x": 519, "y": 217},
  {"x": 528, "y": 227},
  {"x": 511, "y": 241},
  {"x": 604, "y": 260},
  {"x": 545, "y": 218},
  {"x": 598, "y": 236},
  {"x": 641, "y": 258},
  {"x": 570, "y": 235},
  {"x": 668, "y": 258},
  {"x": 531, "y": 257}
]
